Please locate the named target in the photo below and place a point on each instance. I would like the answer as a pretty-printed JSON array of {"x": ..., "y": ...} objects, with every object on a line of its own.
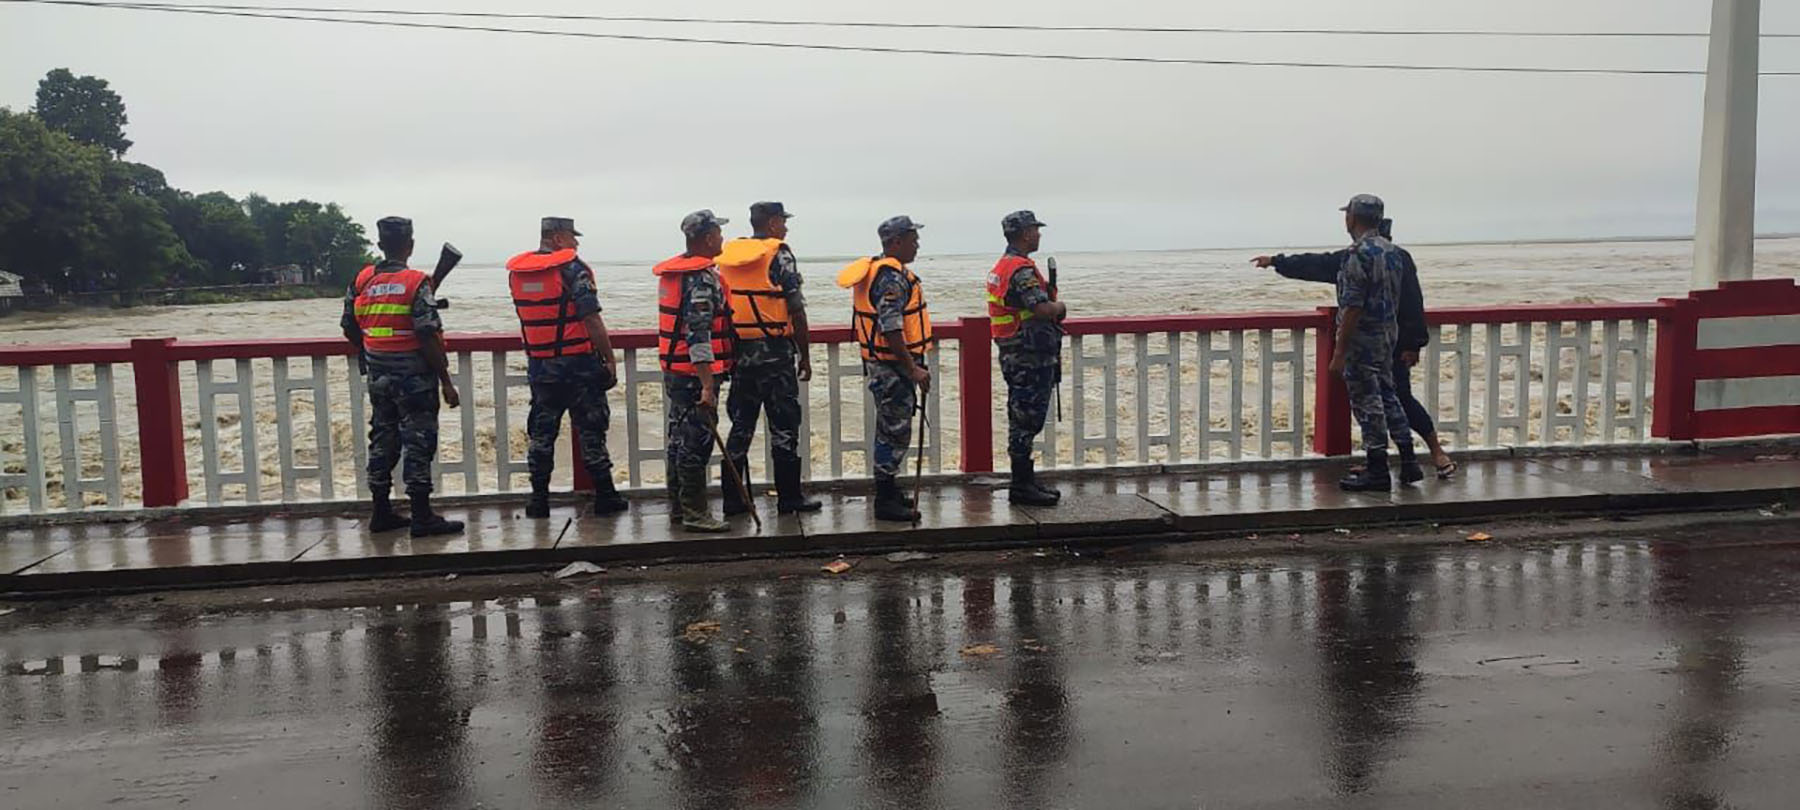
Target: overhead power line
[
  {"x": 834, "y": 47},
  {"x": 941, "y": 26}
]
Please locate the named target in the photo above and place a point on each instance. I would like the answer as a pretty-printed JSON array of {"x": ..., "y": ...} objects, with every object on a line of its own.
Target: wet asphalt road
[{"x": 1616, "y": 672}]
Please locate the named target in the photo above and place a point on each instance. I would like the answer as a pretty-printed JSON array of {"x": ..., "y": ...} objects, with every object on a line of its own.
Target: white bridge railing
[{"x": 163, "y": 422}]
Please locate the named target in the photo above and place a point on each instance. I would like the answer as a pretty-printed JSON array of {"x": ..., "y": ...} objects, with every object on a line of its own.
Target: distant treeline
[{"x": 75, "y": 216}]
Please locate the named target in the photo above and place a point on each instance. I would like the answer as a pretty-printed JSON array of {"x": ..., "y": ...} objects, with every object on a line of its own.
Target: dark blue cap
[
  {"x": 1018, "y": 221},
  {"x": 764, "y": 211},
  {"x": 896, "y": 227},
  {"x": 1366, "y": 205},
  {"x": 392, "y": 230},
  {"x": 557, "y": 225},
  {"x": 701, "y": 221}
]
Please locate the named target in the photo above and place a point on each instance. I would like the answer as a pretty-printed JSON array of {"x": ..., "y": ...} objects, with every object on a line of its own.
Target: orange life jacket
[
  {"x": 1004, "y": 321},
  {"x": 671, "y": 332},
  {"x": 383, "y": 308},
  {"x": 915, "y": 319},
  {"x": 758, "y": 306},
  {"x": 548, "y": 320}
]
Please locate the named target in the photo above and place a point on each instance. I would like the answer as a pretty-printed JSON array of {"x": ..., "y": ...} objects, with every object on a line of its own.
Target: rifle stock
[{"x": 448, "y": 258}]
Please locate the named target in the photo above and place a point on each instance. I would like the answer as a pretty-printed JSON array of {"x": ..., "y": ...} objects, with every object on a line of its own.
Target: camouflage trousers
[
  {"x": 403, "y": 420},
  {"x": 576, "y": 386},
  {"x": 896, "y": 399},
  {"x": 1030, "y": 383},
  {"x": 1369, "y": 374},
  {"x": 773, "y": 389},
  {"x": 688, "y": 427}
]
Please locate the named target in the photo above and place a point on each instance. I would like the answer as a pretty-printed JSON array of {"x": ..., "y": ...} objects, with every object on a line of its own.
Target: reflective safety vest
[
  {"x": 1004, "y": 321},
  {"x": 671, "y": 331},
  {"x": 759, "y": 307},
  {"x": 859, "y": 276},
  {"x": 383, "y": 308},
  {"x": 548, "y": 321}
]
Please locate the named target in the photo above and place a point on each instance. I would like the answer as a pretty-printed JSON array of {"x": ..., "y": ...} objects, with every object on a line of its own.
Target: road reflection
[{"x": 1006, "y": 687}]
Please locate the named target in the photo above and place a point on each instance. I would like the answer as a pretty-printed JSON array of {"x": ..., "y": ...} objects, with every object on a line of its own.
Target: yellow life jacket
[
  {"x": 859, "y": 276},
  {"x": 758, "y": 306}
]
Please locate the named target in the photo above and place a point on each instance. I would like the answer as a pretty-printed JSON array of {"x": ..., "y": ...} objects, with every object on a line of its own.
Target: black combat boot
[
  {"x": 538, "y": 505},
  {"x": 734, "y": 497},
  {"x": 1374, "y": 476},
  {"x": 426, "y": 523},
  {"x": 1410, "y": 471},
  {"x": 789, "y": 499},
  {"x": 607, "y": 500},
  {"x": 1025, "y": 490},
  {"x": 891, "y": 505},
  {"x": 385, "y": 518}
]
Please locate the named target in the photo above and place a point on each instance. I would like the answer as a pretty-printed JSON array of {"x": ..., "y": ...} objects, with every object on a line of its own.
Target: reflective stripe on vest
[
  {"x": 758, "y": 306},
  {"x": 671, "y": 329},
  {"x": 548, "y": 319},
  {"x": 915, "y": 316},
  {"x": 383, "y": 308},
  {"x": 1003, "y": 320}
]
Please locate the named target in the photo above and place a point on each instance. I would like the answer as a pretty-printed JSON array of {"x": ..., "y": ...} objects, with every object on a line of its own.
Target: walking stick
[
  {"x": 1056, "y": 294},
  {"x": 919, "y": 465},
  {"x": 712, "y": 424}
]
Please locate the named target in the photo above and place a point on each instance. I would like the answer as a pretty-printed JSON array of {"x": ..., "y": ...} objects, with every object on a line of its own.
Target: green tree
[
  {"x": 73, "y": 217},
  {"x": 84, "y": 108},
  {"x": 141, "y": 249},
  {"x": 270, "y": 219},
  {"x": 218, "y": 233},
  {"x": 51, "y": 191},
  {"x": 326, "y": 241}
]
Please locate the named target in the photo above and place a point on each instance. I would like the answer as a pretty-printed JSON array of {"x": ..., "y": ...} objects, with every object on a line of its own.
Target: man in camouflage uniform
[
  {"x": 767, "y": 375},
  {"x": 1030, "y": 357},
  {"x": 574, "y": 384},
  {"x": 1415, "y": 333},
  {"x": 1368, "y": 290},
  {"x": 403, "y": 386},
  {"x": 896, "y": 385},
  {"x": 691, "y": 400}
]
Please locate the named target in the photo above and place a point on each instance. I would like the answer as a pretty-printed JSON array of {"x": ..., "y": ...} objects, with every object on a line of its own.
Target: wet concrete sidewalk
[
  {"x": 1647, "y": 668},
  {"x": 1099, "y": 507}
]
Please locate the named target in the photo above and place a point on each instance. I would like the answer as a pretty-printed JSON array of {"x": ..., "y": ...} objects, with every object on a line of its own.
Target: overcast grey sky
[{"x": 477, "y": 135}]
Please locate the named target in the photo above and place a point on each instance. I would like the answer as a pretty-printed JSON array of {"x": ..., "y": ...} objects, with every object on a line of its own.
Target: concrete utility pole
[{"x": 1725, "y": 236}]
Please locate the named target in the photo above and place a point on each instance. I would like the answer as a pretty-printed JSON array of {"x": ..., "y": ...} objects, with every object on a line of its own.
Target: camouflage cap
[
  {"x": 1366, "y": 205},
  {"x": 1018, "y": 221},
  {"x": 393, "y": 229},
  {"x": 762, "y": 211},
  {"x": 558, "y": 225},
  {"x": 701, "y": 221},
  {"x": 896, "y": 227}
]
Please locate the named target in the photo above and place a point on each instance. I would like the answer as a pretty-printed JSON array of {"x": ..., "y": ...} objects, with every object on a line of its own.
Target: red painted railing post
[
  {"x": 1331, "y": 401},
  {"x": 975, "y": 358},
  {"x": 162, "y": 451},
  {"x": 1672, "y": 404}
]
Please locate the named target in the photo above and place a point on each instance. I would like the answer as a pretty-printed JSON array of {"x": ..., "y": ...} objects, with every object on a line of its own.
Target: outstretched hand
[{"x": 1263, "y": 261}]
